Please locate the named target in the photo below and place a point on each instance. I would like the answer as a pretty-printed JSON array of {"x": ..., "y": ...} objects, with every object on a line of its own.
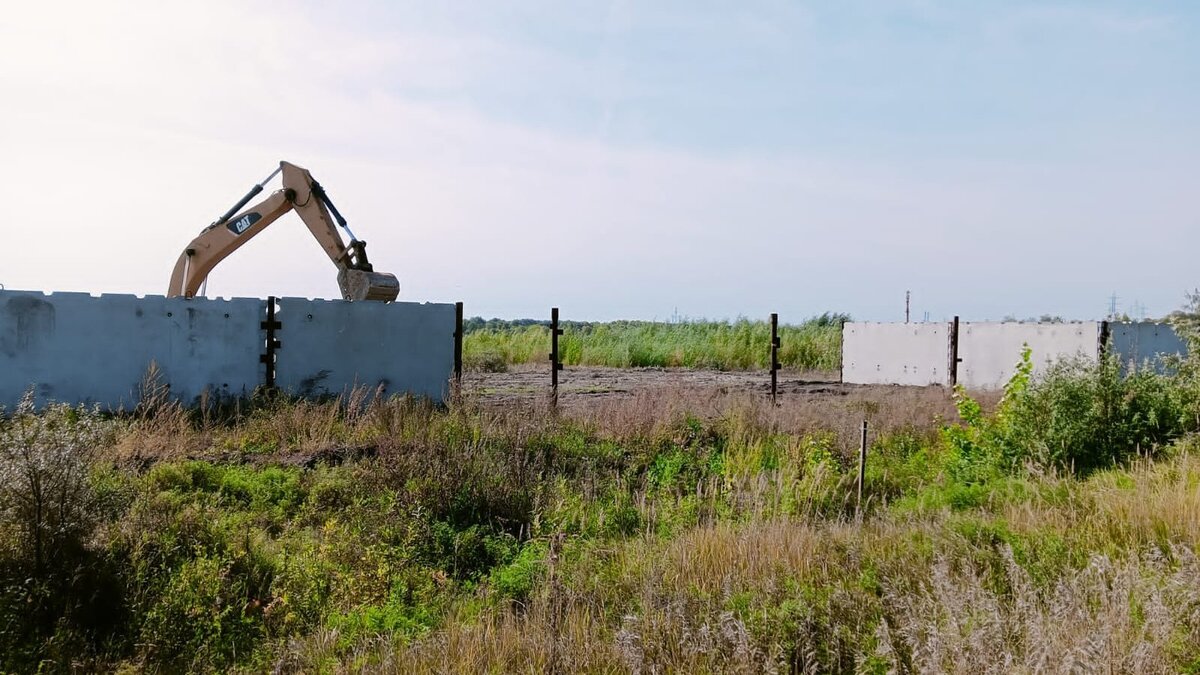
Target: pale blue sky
[
  {"x": 870, "y": 79},
  {"x": 622, "y": 159}
]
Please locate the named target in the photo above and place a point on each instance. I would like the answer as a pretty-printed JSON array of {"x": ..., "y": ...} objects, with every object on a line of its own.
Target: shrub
[
  {"x": 203, "y": 618},
  {"x": 1092, "y": 415},
  {"x": 413, "y": 606},
  {"x": 1078, "y": 415},
  {"x": 517, "y": 579},
  {"x": 56, "y": 595},
  {"x": 44, "y": 478},
  {"x": 486, "y": 361}
]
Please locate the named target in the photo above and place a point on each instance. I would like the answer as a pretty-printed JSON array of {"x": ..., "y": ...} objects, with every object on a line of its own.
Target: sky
[{"x": 618, "y": 159}]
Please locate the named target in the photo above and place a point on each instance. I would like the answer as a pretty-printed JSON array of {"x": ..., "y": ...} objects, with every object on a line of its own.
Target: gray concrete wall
[
  {"x": 329, "y": 347},
  {"x": 1143, "y": 343},
  {"x": 895, "y": 353},
  {"x": 991, "y": 350},
  {"x": 76, "y": 348},
  {"x": 918, "y": 353}
]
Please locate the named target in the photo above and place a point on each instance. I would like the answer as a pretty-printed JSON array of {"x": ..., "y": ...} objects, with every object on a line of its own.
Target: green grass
[
  {"x": 737, "y": 345},
  {"x": 475, "y": 540}
]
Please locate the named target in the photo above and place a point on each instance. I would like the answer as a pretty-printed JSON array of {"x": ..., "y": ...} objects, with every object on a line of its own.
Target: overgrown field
[
  {"x": 1056, "y": 531},
  {"x": 741, "y": 345}
]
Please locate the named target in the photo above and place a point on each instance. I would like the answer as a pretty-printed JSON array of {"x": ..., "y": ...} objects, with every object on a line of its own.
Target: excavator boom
[{"x": 300, "y": 192}]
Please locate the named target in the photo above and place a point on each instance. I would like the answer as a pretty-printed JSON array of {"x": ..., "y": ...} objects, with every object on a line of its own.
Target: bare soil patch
[
  {"x": 589, "y": 383},
  {"x": 633, "y": 398}
]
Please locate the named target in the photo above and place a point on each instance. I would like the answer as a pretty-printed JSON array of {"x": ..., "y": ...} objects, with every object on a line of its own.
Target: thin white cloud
[{"x": 163, "y": 115}]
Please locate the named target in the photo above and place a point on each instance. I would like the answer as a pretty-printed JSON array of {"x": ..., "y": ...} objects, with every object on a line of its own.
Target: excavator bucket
[{"x": 362, "y": 285}]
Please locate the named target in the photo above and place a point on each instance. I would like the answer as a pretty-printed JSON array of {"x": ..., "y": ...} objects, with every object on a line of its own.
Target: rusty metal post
[
  {"x": 862, "y": 470},
  {"x": 954, "y": 360},
  {"x": 555, "y": 364},
  {"x": 272, "y": 343},
  {"x": 774, "y": 357},
  {"x": 458, "y": 345}
]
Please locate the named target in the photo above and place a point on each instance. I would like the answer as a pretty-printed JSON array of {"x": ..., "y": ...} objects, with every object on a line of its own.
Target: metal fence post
[
  {"x": 862, "y": 471},
  {"x": 272, "y": 343},
  {"x": 954, "y": 359},
  {"x": 774, "y": 357},
  {"x": 458, "y": 347},
  {"x": 1104, "y": 339},
  {"x": 555, "y": 364}
]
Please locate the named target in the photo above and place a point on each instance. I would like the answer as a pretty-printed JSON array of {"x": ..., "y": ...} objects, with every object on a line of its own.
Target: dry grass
[
  {"x": 773, "y": 575},
  {"x": 840, "y": 411},
  {"x": 1156, "y": 503},
  {"x": 1124, "y": 616},
  {"x": 167, "y": 431},
  {"x": 891, "y": 595},
  {"x": 1127, "y": 615}
]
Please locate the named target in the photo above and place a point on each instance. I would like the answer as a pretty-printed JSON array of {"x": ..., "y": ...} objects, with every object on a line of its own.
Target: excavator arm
[{"x": 300, "y": 192}]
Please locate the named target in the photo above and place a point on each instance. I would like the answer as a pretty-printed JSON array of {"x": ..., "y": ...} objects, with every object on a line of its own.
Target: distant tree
[
  {"x": 830, "y": 319},
  {"x": 1186, "y": 320}
]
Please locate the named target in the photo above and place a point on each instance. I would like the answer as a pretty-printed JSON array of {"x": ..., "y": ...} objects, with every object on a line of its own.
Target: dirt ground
[
  {"x": 643, "y": 397},
  {"x": 628, "y": 401},
  {"x": 586, "y": 383}
]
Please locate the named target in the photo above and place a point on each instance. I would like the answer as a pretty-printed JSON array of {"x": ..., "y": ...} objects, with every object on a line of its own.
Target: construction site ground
[
  {"x": 588, "y": 387},
  {"x": 628, "y": 398},
  {"x": 579, "y": 385},
  {"x": 805, "y": 400}
]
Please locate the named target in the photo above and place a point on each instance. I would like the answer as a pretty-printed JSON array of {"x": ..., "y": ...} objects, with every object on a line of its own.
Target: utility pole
[{"x": 907, "y": 299}]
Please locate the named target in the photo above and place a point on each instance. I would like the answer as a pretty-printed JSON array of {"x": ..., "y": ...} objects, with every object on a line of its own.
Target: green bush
[
  {"x": 413, "y": 607},
  {"x": 1078, "y": 415},
  {"x": 58, "y": 596},
  {"x": 244, "y": 488},
  {"x": 1092, "y": 415},
  {"x": 45, "y": 486},
  {"x": 486, "y": 361},
  {"x": 204, "y": 618},
  {"x": 516, "y": 580}
]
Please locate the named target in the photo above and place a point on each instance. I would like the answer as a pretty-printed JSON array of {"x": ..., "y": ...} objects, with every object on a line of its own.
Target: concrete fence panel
[
  {"x": 77, "y": 348},
  {"x": 895, "y": 353},
  {"x": 990, "y": 351},
  {"x": 330, "y": 347},
  {"x": 1144, "y": 343}
]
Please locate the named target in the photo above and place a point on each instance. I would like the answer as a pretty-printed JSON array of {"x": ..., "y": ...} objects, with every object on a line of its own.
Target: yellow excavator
[{"x": 356, "y": 278}]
